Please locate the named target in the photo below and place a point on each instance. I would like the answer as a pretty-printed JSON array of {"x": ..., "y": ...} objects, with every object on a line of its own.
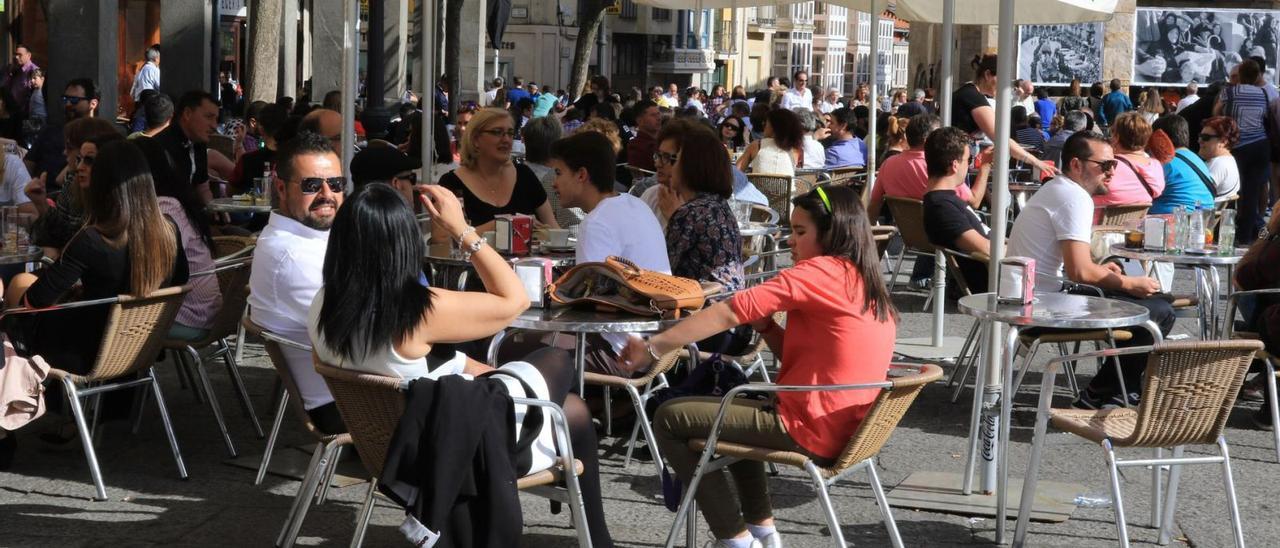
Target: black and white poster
[
  {"x": 1179, "y": 46},
  {"x": 1053, "y": 55}
]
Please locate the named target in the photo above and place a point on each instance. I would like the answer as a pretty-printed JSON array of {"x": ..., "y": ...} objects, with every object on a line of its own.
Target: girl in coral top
[{"x": 841, "y": 327}]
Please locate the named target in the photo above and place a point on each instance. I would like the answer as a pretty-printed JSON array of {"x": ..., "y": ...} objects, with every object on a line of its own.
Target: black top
[
  {"x": 171, "y": 155},
  {"x": 70, "y": 339},
  {"x": 526, "y": 197},
  {"x": 964, "y": 100},
  {"x": 250, "y": 166},
  {"x": 946, "y": 218}
]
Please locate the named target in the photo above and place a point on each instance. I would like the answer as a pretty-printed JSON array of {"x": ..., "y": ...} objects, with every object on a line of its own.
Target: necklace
[{"x": 492, "y": 189}]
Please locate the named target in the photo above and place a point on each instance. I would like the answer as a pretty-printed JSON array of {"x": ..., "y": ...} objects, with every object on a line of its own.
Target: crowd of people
[{"x": 648, "y": 178}]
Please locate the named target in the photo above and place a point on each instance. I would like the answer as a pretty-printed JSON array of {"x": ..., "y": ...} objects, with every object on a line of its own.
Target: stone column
[
  {"x": 289, "y": 49},
  {"x": 326, "y": 48},
  {"x": 1117, "y": 43},
  {"x": 473, "y": 37},
  {"x": 305, "y": 43},
  {"x": 395, "y": 47},
  {"x": 83, "y": 39},
  {"x": 186, "y": 35}
]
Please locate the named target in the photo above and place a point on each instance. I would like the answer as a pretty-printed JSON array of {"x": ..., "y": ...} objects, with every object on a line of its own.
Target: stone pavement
[{"x": 44, "y": 499}]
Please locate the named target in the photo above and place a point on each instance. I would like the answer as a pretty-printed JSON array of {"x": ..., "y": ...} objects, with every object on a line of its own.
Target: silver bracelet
[{"x": 469, "y": 250}]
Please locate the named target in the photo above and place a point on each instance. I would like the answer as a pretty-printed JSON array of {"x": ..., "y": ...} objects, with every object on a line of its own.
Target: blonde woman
[
  {"x": 488, "y": 182},
  {"x": 1150, "y": 105}
]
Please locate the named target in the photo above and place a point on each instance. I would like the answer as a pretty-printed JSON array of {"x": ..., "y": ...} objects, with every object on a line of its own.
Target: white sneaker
[{"x": 772, "y": 540}]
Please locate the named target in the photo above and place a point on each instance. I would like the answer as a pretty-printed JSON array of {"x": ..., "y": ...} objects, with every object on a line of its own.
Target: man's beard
[
  {"x": 1102, "y": 190},
  {"x": 318, "y": 223}
]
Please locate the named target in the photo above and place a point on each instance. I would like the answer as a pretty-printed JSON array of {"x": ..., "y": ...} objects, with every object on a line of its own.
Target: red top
[
  {"x": 640, "y": 151},
  {"x": 829, "y": 340}
]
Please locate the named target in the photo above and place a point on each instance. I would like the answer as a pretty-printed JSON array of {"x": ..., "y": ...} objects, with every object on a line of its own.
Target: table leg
[
  {"x": 975, "y": 412},
  {"x": 580, "y": 361},
  {"x": 1205, "y": 303},
  {"x": 1002, "y": 442},
  {"x": 1215, "y": 290},
  {"x": 939, "y": 295}
]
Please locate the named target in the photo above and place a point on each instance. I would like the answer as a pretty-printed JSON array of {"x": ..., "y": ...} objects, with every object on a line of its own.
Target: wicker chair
[
  {"x": 897, "y": 394},
  {"x": 1269, "y": 361},
  {"x": 908, "y": 216},
  {"x": 324, "y": 459},
  {"x": 1118, "y": 215},
  {"x": 777, "y": 188},
  {"x": 883, "y": 235},
  {"x": 232, "y": 280},
  {"x": 130, "y": 342},
  {"x": 848, "y": 175},
  {"x": 1190, "y": 388},
  {"x": 371, "y": 406}
]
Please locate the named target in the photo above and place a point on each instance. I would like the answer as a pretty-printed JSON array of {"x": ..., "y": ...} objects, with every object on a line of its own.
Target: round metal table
[
  {"x": 748, "y": 230},
  {"x": 30, "y": 254},
  {"x": 1048, "y": 310},
  {"x": 1205, "y": 266},
  {"x": 450, "y": 270},
  {"x": 232, "y": 205}
]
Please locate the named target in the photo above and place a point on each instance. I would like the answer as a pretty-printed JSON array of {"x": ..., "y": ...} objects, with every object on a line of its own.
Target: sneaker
[
  {"x": 772, "y": 540},
  {"x": 732, "y": 543},
  {"x": 1117, "y": 402},
  {"x": 923, "y": 284},
  {"x": 1087, "y": 401}
]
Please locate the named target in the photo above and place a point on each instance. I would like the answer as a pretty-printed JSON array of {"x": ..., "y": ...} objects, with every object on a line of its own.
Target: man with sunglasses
[
  {"x": 1056, "y": 227},
  {"x": 289, "y": 257},
  {"x": 79, "y": 100},
  {"x": 798, "y": 96},
  {"x": 381, "y": 164}
]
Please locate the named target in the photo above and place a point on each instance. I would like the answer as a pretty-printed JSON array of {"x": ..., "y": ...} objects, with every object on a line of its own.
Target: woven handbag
[{"x": 618, "y": 284}]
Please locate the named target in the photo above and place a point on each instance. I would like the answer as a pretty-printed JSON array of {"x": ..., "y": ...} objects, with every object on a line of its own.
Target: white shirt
[
  {"x": 827, "y": 108},
  {"x": 650, "y": 199},
  {"x": 1060, "y": 211},
  {"x": 148, "y": 78},
  {"x": 794, "y": 99},
  {"x": 286, "y": 275},
  {"x": 1226, "y": 176},
  {"x": 16, "y": 178},
  {"x": 1187, "y": 101},
  {"x": 621, "y": 225},
  {"x": 1029, "y": 103},
  {"x": 815, "y": 156}
]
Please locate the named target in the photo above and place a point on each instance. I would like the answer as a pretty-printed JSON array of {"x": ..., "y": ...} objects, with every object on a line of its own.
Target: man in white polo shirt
[
  {"x": 1055, "y": 229},
  {"x": 289, "y": 258}
]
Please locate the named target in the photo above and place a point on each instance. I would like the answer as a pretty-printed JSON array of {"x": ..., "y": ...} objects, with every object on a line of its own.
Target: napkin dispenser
[
  {"x": 535, "y": 275},
  {"x": 514, "y": 233},
  {"x": 1017, "y": 280},
  {"x": 1155, "y": 234}
]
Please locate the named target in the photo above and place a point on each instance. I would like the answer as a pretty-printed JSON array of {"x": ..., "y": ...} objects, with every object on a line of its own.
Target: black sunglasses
[
  {"x": 412, "y": 178},
  {"x": 72, "y": 100},
  {"x": 311, "y": 185}
]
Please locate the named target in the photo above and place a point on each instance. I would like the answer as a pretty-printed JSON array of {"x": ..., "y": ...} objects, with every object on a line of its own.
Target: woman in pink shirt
[
  {"x": 1139, "y": 178},
  {"x": 841, "y": 327}
]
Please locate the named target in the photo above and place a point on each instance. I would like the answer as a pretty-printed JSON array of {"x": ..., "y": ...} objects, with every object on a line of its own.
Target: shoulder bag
[
  {"x": 1141, "y": 179},
  {"x": 618, "y": 284},
  {"x": 1207, "y": 180}
]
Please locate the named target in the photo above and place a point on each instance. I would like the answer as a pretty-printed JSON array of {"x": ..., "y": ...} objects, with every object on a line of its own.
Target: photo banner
[
  {"x": 1174, "y": 47},
  {"x": 1053, "y": 55}
]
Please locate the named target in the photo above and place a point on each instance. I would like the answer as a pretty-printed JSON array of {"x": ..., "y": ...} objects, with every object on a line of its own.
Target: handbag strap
[
  {"x": 1141, "y": 179},
  {"x": 1207, "y": 180}
]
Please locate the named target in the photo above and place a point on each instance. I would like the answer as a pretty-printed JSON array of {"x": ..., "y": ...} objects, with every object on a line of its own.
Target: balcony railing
[
  {"x": 683, "y": 61},
  {"x": 763, "y": 16},
  {"x": 726, "y": 41}
]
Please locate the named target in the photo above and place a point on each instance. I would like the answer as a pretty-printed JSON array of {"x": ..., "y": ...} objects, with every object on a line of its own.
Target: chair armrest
[
  {"x": 246, "y": 253},
  {"x": 285, "y": 341},
  {"x": 1233, "y": 302},
  {"x": 223, "y": 267},
  {"x": 980, "y": 257},
  {"x": 61, "y": 306}
]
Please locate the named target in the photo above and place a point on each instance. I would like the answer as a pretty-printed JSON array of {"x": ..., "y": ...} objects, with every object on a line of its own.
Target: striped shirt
[{"x": 1247, "y": 105}]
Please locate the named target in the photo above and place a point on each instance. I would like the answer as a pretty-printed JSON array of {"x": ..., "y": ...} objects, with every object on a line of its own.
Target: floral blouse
[{"x": 703, "y": 242}]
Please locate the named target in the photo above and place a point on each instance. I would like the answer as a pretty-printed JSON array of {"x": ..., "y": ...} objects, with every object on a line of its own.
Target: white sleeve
[
  {"x": 1073, "y": 221},
  {"x": 596, "y": 242},
  {"x": 16, "y": 179}
]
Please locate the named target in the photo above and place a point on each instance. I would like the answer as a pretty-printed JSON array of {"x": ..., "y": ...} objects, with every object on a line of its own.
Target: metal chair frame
[
  {"x": 1269, "y": 361},
  {"x": 688, "y": 505}
]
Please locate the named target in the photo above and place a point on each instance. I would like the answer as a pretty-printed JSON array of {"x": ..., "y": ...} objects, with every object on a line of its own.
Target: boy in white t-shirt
[{"x": 616, "y": 224}]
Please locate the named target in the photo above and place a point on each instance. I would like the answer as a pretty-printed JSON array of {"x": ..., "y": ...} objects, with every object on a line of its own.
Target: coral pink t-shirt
[
  {"x": 1125, "y": 188},
  {"x": 829, "y": 340},
  {"x": 906, "y": 176}
]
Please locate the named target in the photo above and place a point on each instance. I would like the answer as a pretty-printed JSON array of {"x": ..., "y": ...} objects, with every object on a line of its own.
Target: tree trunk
[
  {"x": 452, "y": 54},
  {"x": 264, "y": 50},
  {"x": 588, "y": 27}
]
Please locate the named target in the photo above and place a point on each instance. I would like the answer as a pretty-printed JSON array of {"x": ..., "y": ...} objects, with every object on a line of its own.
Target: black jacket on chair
[{"x": 452, "y": 462}]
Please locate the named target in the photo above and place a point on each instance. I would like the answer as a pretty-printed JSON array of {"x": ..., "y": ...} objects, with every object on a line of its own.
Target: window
[
  {"x": 661, "y": 14},
  {"x": 864, "y": 28},
  {"x": 820, "y": 27},
  {"x": 628, "y": 10}
]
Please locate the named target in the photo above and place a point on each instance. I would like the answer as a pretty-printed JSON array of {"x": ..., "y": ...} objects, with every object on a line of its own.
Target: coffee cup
[{"x": 558, "y": 237}]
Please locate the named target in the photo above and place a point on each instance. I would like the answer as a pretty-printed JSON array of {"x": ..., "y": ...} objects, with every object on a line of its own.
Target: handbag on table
[{"x": 618, "y": 284}]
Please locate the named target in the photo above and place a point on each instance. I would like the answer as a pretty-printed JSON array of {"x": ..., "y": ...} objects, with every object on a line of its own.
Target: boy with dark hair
[
  {"x": 949, "y": 221},
  {"x": 616, "y": 224}
]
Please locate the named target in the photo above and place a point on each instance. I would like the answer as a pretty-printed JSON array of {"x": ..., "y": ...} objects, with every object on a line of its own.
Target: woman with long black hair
[{"x": 390, "y": 326}]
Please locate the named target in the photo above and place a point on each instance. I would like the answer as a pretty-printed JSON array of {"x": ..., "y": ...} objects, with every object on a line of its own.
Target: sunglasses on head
[{"x": 311, "y": 185}]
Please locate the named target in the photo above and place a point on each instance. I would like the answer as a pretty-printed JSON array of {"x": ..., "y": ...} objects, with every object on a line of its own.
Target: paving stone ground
[{"x": 44, "y": 499}]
